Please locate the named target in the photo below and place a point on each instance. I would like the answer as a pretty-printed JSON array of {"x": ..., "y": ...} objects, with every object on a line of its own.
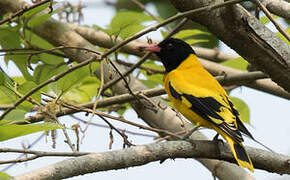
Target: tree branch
[
  {"x": 22, "y": 11},
  {"x": 265, "y": 85},
  {"x": 247, "y": 36},
  {"x": 52, "y": 79},
  {"x": 228, "y": 79},
  {"x": 278, "y": 7},
  {"x": 140, "y": 155},
  {"x": 103, "y": 40},
  {"x": 276, "y": 24}
]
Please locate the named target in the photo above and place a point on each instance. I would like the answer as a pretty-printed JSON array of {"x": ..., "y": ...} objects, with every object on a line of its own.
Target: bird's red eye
[{"x": 169, "y": 46}]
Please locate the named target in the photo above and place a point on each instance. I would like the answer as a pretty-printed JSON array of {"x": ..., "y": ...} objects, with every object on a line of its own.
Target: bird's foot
[{"x": 216, "y": 140}]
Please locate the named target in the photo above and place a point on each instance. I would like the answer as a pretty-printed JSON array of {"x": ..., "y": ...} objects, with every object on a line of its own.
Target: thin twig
[
  {"x": 52, "y": 79},
  {"x": 114, "y": 81},
  {"x": 30, "y": 49},
  {"x": 53, "y": 116},
  {"x": 141, "y": 6},
  {"x": 176, "y": 28},
  {"x": 246, "y": 77},
  {"x": 276, "y": 24},
  {"x": 68, "y": 141},
  {"x": 128, "y": 87},
  {"x": 97, "y": 99},
  {"x": 20, "y": 156},
  {"x": 47, "y": 50},
  {"x": 144, "y": 58},
  {"x": 37, "y": 154},
  {"x": 167, "y": 21},
  {"x": 121, "y": 119},
  {"x": 107, "y": 127},
  {"x": 123, "y": 135},
  {"x": 149, "y": 70},
  {"x": 169, "y": 136},
  {"x": 22, "y": 11}
]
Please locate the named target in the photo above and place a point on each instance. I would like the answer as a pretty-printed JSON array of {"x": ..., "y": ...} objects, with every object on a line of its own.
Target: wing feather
[{"x": 210, "y": 109}]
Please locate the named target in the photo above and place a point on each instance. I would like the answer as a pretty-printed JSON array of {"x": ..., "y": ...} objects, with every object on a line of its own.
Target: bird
[{"x": 197, "y": 95}]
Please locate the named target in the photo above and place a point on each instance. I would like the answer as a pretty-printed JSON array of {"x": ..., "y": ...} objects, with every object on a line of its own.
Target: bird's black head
[{"x": 171, "y": 52}]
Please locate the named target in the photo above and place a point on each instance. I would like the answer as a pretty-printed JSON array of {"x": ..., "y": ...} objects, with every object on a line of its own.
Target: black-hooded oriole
[{"x": 199, "y": 97}]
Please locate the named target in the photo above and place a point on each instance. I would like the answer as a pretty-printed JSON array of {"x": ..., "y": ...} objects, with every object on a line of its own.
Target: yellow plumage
[
  {"x": 199, "y": 97},
  {"x": 189, "y": 85}
]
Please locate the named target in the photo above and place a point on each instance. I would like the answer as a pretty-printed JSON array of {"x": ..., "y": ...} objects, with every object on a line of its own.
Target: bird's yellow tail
[{"x": 240, "y": 154}]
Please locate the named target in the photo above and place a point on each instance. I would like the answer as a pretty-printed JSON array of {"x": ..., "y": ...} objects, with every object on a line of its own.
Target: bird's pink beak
[{"x": 151, "y": 48}]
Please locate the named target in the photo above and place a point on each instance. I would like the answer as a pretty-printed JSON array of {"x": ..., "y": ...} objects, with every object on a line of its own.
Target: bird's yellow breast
[{"x": 191, "y": 78}]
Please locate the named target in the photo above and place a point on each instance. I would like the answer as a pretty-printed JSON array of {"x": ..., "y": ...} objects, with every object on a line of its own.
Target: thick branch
[
  {"x": 229, "y": 79},
  {"x": 265, "y": 85},
  {"x": 141, "y": 155},
  {"x": 101, "y": 39},
  {"x": 247, "y": 36},
  {"x": 278, "y": 7}
]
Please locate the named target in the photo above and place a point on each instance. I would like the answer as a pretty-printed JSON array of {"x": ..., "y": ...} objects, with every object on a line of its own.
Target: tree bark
[
  {"x": 144, "y": 154},
  {"x": 103, "y": 40},
  {"x": 278, "y": 7}
]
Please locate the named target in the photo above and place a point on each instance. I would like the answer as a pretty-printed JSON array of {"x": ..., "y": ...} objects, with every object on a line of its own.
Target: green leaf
[
  {"x": 5, "y": 176},
  {"x": 183, "y": 34},
  {"x": 5, "y": 80},
  {"x": 13, "y": 130},
  {"x": 45, "y": 71},
  {"x": 2, "y": 78},
  {"x": 73, "y": 79},
  {"x": 19, "y": 79},
  {"x": 125, "y": 18},
  {"x": 84, "y": 92},
  {"x": 7, "y": 96},
  {"x": 127, "y": 23},
  {"x": 237, "y": 63},
  {"x": 195, "y": 41},
  {"x": 26, "y": 87},
  {"x": 123, "y": 109},
  {"x": 266, "y": 20},
  {"x": 283, "y": 37},
  {"x": 130, "y": 30},
  {"x": 152, "y": 80},
  {"x": 10, "y": 39},
  {"x": 165, "y": 9},
  {"x": 38, "y": 20},
  {"x": 163, "y": 33},
  {"x": 242, "y": 108},
  {"x": 152, "y": 64},
  {"x": 36, "y": 10},
  {"x": 15, "y": 116},
  {"x": 194, "y": 36},
  {"x": 37, "y": 41}
]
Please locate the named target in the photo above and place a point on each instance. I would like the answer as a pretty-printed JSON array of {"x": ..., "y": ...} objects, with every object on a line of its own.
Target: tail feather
[{"x": 240, "y": 154}]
